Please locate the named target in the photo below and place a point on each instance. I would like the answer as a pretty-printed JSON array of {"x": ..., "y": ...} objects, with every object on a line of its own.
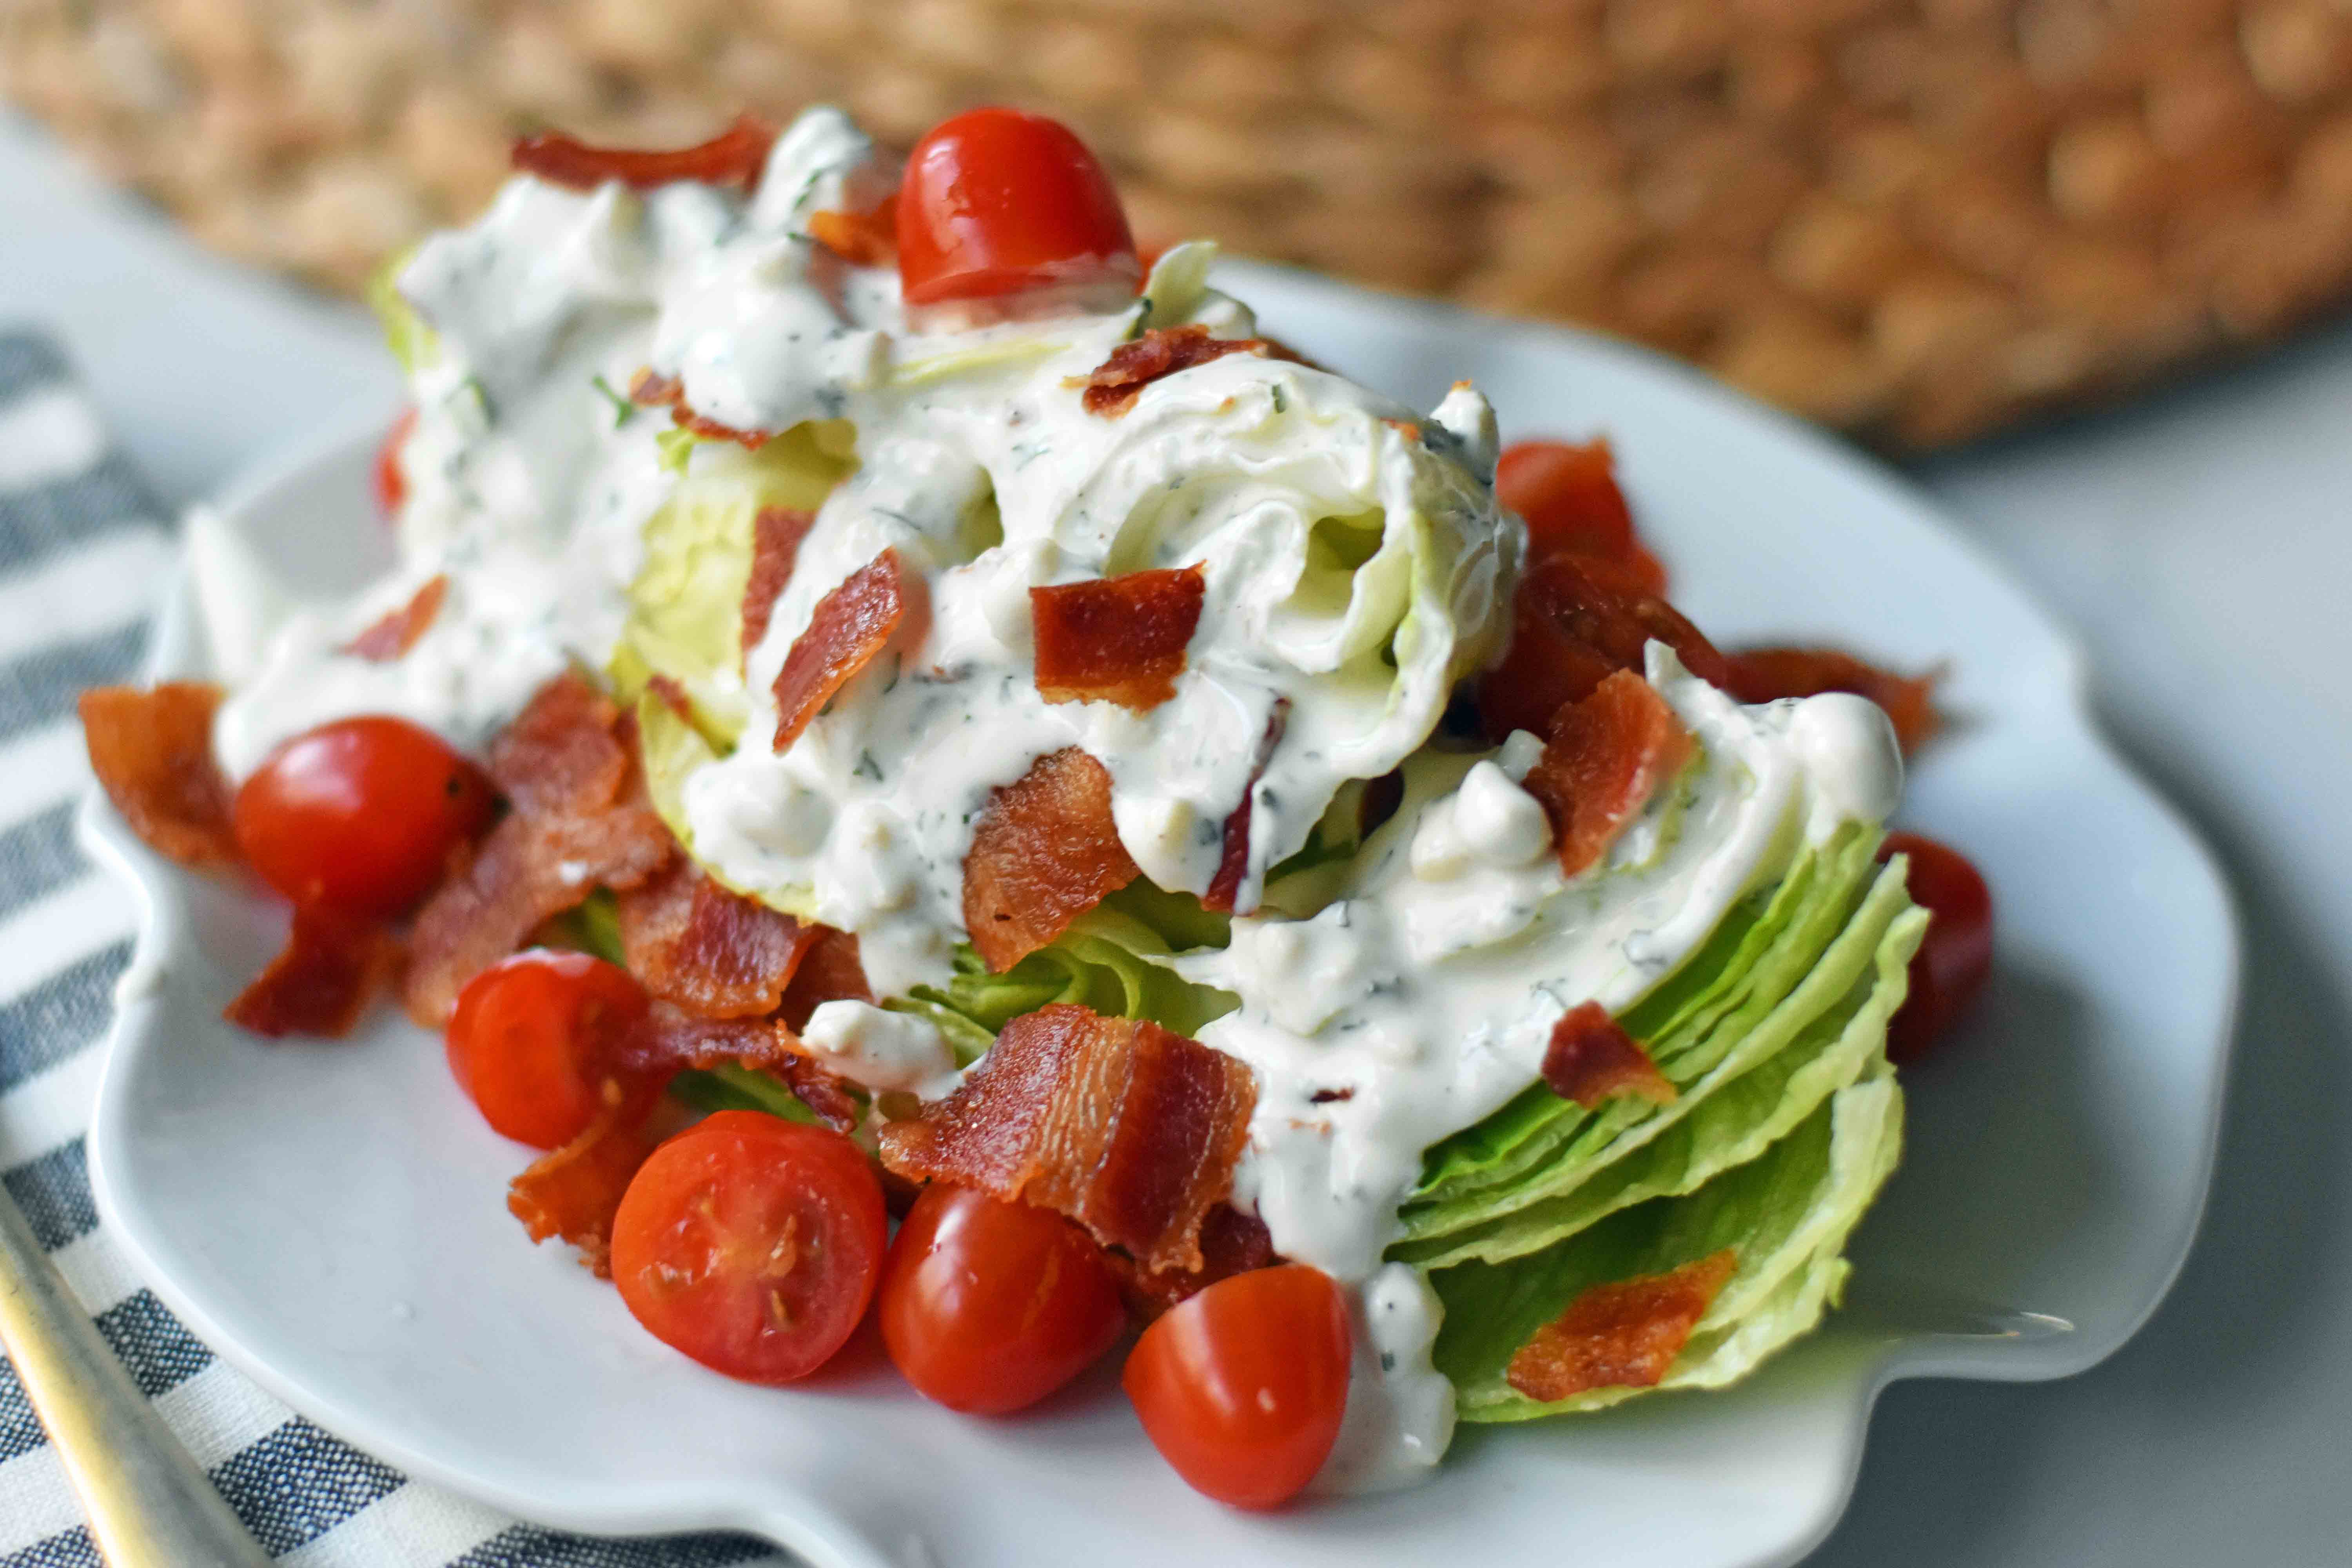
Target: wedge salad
[{"x": 888, "y": 705}]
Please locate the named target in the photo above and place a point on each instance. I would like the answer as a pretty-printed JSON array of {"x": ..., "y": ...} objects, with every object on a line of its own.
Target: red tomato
[
  {"x": 390, "y": 483},
  {"x": 995, "y": 201},
  {"x": 1951, "y": 964},
  {"x": 989, "y": 1306},
  {"x": 751, "y": 1243},
  {"x": 1242, "y": 1387},
  {"x": 361, "y": 813},
  {"x": 532, "y": 1038}
]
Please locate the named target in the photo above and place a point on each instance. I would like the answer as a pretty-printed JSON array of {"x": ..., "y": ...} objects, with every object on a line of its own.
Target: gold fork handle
[{"x": 148, "y": 1506}]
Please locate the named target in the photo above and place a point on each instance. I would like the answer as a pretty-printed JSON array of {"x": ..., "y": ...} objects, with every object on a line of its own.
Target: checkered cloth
[{"x": 83, "y": 556}]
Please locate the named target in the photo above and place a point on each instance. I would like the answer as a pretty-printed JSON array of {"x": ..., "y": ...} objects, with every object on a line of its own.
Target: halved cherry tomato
[
  {"x": 989, "y": 1306},
  {"x": 361, "y": 813},
  {"x": 533, "y": 1039},
  {"x": 1569, "y": 496},
  {"x": 751, "y": 1243},
  {"x": 1242, "y": 1387},
  {"x": 391, "y": 481},
  {"x": 995, "y": 201},
  {"x": 1953, "y": 961}
]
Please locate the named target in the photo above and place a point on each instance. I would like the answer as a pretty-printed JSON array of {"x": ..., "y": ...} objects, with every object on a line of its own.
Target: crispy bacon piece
[
  {"x": 1625, "y": 1335},
  {"x": 776, "y": 535},
  {"x": 1576, "y": 620},
  {"x": 1232, "y": 1242},
  {"x": 848, "y": 628},
  {"x": 397, "y": 632},
  {"x": 1233, "y": 859},
  {"x": 1122, "y": 1126},
  {"x": 1569, "y": 497},
  {"x": 573, "y": 1191},
  {"x": 668, "y": 392},
  {"x": 322, "y": 980},
  {"x": 1044, "y": 852},
  {"x": 826, "y": 1094},
  {"x": 713, "y": 952},
  {"x": 1115, "y": 639},
  {"x": 579, "y": 820},
  {"x": 1114, "y": 386},
  {"x": 153, "y": 751},
  {"x": 1768, "y": 674},
  {"x": 829, "y": 972},
  {"x": 868, "y": 238},
  {"x": 733, "y": 157},
  {"x": 1607, "y": 756},
  {"x": 1591, "y": 1058},
  {"x": 669, "y": 1037}
]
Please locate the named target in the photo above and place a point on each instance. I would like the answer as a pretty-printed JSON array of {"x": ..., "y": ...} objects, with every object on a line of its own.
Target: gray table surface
[{"x": 2201, "y": 543}]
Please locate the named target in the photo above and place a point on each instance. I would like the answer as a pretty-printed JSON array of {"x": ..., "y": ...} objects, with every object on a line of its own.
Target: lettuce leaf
[
  {"x": 686, "y": 604},
  {"x": 1786, "y": 1215},
  {"x": 1720, "y": 1011}
]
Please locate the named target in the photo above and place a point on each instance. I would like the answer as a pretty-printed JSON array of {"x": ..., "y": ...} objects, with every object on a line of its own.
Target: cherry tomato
[
  {"x": 1242, "y": 1387},
  {"x": 391, "y": 481},
  {"x": 989, "y": 1306},
  {"x": 532, "y": 1041},
  {"x": 751, "y": 1243},
  {"x": 995, "y": 201},
  {"x": 1951, "y": 964},
  {"x": 361, "y": 813}
]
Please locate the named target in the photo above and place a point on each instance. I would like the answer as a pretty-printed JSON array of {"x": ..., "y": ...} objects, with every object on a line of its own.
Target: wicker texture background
[{"x": 1915, "y": 219}]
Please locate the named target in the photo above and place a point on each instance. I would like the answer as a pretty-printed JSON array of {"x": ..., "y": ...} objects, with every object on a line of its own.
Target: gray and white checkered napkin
[{"x": 82, "y": 557}]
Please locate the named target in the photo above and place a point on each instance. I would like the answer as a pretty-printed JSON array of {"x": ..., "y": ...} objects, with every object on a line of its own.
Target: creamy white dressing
[{"x": 1356, "y": 567}]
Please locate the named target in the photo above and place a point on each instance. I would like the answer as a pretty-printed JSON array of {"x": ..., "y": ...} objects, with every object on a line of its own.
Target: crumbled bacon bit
[
  {"x": 668, "y": 392},
  {"x": 332, "y": 964},
  {"x": 826, "y": 1094},
  {"x": 711, "y": 951},
  {"x": 1121, "y": 1125},
  {"x": 868, "y": 238},
  {"x": 1576, "y": 620},
  {"x": 1769, "y": 674},
  {"x": 776, "y": 535},
  {"x": 733, "y": 157},
  {"x": 1608, "y": 755},
  {"x": 579, "y": 820},
  {"x": 153, "y": 752},
  {"x": 829, "y": 972},
  {"x": 397, "y": 632},
  {"x": 1233, "y": 859},
  {"x": 574, "y": 1192},
  {"x": 1232, "y": 1242},
  {"x": 1115, "y": 639},
  {"x": 1113, "y": 386},
  {"x": 1591, "y": 1058},
  {"x": 1046, "y": 851},
  {"x": 1625, "y": 1335},
  {"x": 847, "y": 628}
]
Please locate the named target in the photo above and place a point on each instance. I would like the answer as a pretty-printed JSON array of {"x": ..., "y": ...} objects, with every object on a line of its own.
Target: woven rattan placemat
[{"x": 1915, "y": 219}]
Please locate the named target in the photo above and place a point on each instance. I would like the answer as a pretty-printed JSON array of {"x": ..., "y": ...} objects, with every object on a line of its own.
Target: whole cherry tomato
[
  {"x": 995, "y": 201},
  {"x": 751, "y": 1243},
  {"x": 1242, "y": 1387},
  {"x": 533, "y": 1037},
  {"x": 361, "y": 814},
  {"x": 1956, "y": 956},
  {"x": 989, "y": 1306},
  {"x": 391, "y": 481}
]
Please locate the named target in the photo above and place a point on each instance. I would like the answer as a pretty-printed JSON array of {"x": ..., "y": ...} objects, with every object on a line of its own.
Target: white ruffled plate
[{"x": 332, "y": 1216}]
